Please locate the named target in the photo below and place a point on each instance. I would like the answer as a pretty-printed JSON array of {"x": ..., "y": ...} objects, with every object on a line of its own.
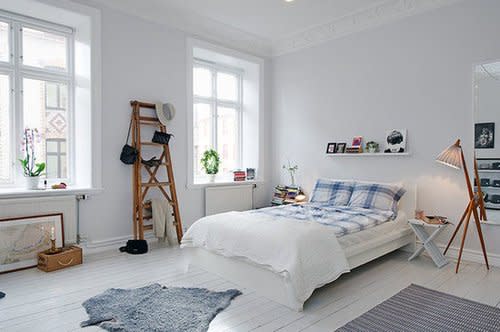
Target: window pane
[
  {"x": 52, "y": 146},
  {"x": 202, "y": 82},
  {"x": 44, "y": 50},
  {"x": 202, "y": 133},
  {"x": 227, "y": 138},
  {"x": 4, "y": 42},
  {"x": 5, "y": 142},
  {"x": 227, "y": 87},
  {"x": 51, "y": 123},
  {"x": 52, "y": 95},
  {"x": 52, "y": 167}
]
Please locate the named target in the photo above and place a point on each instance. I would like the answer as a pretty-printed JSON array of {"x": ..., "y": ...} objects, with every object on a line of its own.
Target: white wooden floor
[{"x": 38, "y": 301}]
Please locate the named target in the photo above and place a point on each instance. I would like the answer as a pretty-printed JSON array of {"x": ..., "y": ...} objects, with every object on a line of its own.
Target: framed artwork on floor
[{"x": 22, "y": 238}]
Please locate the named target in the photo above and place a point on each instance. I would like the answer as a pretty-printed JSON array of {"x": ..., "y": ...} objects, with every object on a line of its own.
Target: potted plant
[
  {"x": 372, "y": 147},
  {"x": 31, "y": 169},
  {"x": 210, "y": 163},
  {"x": 291, "y": 170}
]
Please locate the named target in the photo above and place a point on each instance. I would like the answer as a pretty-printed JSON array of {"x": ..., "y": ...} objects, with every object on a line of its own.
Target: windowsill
[
  {"x": 222, "y": 182},
  {"x": 25, "y": 193}
]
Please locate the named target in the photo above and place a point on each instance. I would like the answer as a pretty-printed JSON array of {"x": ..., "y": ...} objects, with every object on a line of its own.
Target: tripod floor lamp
[{"x": 454, "y": 157}]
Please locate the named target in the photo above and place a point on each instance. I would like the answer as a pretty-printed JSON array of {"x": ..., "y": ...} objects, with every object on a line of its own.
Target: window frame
[
  {"x": 18, "y": 71},
  {"x": 216, "y": 102}
]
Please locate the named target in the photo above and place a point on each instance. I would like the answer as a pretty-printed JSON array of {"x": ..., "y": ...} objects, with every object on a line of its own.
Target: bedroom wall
[
  {"x": 414, "y": 73},
  {"x": 144, "y": 61}
]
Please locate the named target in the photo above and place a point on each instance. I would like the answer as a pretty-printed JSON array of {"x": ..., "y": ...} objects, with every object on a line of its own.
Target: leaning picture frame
[
  {"x": 22, "y": 238},
  {"x": 331, "y": 148}
]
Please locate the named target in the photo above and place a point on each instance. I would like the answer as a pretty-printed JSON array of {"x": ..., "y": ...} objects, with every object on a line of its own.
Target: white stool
[{"x": 432, "y": 249}]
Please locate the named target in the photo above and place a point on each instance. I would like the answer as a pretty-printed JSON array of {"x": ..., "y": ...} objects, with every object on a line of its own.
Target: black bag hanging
[
  {"x": 129, "y": 153},
  {"x": 161, "y": 137}
]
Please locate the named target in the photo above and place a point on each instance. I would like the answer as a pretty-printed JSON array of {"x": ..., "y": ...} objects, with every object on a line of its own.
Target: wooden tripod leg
[
  {"x": 458, "y": 227},
  {"x": 464, "y": 235},
  {"x": 481, "y": 239}
]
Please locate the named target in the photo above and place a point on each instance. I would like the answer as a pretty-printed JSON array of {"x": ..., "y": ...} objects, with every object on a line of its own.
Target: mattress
[{"x": 355, "y": 243}]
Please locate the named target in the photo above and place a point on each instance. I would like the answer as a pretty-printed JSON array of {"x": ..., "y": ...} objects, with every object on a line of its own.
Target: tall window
[
  {"x": 36, "y": 91},
  {"x": 217, "y": 118}
]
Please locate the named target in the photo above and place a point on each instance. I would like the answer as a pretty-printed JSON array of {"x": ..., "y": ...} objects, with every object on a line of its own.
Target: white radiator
[
  {"x": 228, "y": 198},
  {"x": 20, "y": 207}
]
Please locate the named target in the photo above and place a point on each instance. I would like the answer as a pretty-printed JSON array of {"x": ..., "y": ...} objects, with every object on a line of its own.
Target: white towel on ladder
[{"x": 163, "y": 221}]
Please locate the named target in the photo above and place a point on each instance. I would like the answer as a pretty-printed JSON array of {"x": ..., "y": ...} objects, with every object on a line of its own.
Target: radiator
[
  {"x": 23, "y": 207},
  {"x": 228, "y": 198}
]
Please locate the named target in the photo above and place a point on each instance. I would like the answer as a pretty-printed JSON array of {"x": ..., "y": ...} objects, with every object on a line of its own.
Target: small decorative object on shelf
[
  {"x": 31, "y": 169},
  {"x": 372, "y": 147},
  {"x": 395, "y": 141},
  {"x": 331, "y": 148},
  {"x": 239, "y": 175},
  {"x": 488, "y": 170},
  {"x": 250, "y": 173},
  {"x": 65, "y": 257},
  {"x": 291, "y": 170},
  {"x": 357, "y": 141},
  {"x": 354, "y": 149},
  {"x": 340, "y": 148}
]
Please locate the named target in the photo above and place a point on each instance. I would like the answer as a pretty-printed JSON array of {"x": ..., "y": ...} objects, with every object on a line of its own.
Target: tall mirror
[{"x": 486, "y": 144}]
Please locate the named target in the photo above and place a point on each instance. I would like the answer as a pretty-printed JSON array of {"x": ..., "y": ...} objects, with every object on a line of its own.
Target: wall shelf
[{"x": 367, "y": 154}]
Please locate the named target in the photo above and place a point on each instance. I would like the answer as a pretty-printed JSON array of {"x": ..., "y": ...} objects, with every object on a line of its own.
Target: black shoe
[{"x": 153, "y": 162}]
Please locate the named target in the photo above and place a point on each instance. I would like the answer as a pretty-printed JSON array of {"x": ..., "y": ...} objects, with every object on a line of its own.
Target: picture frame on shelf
[
  {"x": 484, "y": 135},
  {"x": 22, "y": 238},
  {"x": 331, "y": 148},
  {"x": 395, "y": 140},
  {"x": 357, "y": 141},
  {"x": 340, "y": 148}
]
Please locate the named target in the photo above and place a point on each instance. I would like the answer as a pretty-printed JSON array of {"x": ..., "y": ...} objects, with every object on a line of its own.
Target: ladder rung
[
  {"x": 154, "y": 184},
  {"x": 150, "y": 120},
  {"x": 148, "y": 227},
  {"x": 145, "y": 217},
  {"x": 143, "y": 104},
  {"x": 152, "y": 143}
]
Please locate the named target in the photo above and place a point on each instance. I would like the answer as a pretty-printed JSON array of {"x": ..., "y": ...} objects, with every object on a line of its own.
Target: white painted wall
[
  {"x": 416, "y": 74},
  {"x": 488, "y": 110},
  {"x": 144, "y": 61}
]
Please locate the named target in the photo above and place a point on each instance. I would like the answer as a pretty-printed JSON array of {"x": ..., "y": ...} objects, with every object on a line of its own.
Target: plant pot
[
  {"x": 32, "y": 182},
  {"x": 211, "y": 177}
]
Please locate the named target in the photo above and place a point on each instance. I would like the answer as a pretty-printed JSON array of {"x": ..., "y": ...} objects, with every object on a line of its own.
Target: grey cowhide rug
[{"x": 156, "y": 309}]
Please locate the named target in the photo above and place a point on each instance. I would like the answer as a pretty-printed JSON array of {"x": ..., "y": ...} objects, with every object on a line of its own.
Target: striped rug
[{"x": 417, "y": 308}]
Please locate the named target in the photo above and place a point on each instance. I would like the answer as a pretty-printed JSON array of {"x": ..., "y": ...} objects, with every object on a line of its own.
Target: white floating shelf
[
  {"x": 489, "y": 170},
  {"x": 367, "y": 154}
]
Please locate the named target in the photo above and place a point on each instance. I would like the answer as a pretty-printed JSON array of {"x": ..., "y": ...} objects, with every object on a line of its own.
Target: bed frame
[{"x": 273, "y": 285}]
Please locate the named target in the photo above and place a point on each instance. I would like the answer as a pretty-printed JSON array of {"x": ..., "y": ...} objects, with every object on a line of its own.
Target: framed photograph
[
  {"x": 331, "y": 148},
  {"x": 22, "y": 238},
  {"x": 340, "y": 148},
  {"x": 395, "y": 141},
  {"x": 484, "y": 135},
  {"x": 357, "y": 141}
]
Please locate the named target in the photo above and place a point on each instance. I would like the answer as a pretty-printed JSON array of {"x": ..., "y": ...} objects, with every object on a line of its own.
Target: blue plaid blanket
[{"x": 342, "y": 219}]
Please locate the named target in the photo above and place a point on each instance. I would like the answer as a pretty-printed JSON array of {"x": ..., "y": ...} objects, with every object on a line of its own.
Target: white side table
[{"x": 432, "y": 249}]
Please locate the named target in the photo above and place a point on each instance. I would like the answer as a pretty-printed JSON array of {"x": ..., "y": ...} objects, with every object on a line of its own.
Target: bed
[{"x": 259, "y": 244}]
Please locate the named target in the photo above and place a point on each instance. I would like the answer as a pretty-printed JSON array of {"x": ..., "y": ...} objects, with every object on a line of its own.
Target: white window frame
[
  {"x": 217, "y": 102},
  {"x": 18, "y": 71}
]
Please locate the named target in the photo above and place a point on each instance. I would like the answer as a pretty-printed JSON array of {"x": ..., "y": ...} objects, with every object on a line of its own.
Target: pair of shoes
[{"x": 153, "y": 162}]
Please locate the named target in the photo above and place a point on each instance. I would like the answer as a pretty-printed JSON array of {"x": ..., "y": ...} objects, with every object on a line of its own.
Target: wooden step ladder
[{"x": 140, "y": 187}]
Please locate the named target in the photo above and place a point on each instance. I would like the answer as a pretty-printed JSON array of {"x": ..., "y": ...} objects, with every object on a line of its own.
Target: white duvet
[{"x": 307, "y": 254}]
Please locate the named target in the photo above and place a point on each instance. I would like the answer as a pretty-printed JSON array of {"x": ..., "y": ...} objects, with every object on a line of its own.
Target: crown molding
[
  {"x": 194, "y": 25},
  {"x": 365, "y": 19}
]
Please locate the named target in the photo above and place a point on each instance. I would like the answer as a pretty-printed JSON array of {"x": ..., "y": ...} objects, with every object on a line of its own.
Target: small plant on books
[
  {"x": 291, "y": 169},
  {"x": 210, "y": 162}
]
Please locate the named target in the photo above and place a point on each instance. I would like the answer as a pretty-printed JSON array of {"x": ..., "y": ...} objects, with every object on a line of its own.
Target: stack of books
[
  {"x": 354, "y": 149},
  {"x": 239, "y": 175},
  {"x": 280, "y": 193},
  {"x": 292, "y": 192}
]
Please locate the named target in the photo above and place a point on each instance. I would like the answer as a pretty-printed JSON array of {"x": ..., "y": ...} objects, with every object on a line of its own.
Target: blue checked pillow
[
  {"x": 377, "y": 196},
  {"x": 332, "y": 192}
]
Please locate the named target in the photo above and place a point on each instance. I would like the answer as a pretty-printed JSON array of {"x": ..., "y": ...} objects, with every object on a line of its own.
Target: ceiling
[
  {"x": 273, "y": 27},
  {"x": 272, "y": 19}
]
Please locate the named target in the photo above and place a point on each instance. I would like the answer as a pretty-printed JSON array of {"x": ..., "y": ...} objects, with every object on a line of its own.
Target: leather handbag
[
  {"x": 161, "y": 137},
  {"x": 129, "y": 154}
]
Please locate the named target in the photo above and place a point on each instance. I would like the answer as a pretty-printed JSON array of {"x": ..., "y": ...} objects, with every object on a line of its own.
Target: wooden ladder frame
[{"x": 141, "y": 188}]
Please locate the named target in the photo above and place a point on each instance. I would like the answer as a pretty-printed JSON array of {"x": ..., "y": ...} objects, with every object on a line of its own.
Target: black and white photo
[
  {"x": 395, "y": 141},
  {"x": 484, "y": 135}
]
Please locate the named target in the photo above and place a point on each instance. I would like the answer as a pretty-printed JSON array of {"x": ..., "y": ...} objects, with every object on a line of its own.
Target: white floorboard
[{"x": 38, "y": 301}]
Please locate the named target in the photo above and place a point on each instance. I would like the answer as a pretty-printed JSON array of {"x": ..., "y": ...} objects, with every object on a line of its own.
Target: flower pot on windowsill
[
  {"x": 32, "y": 182},
  {"x": 211, "y": 178}
]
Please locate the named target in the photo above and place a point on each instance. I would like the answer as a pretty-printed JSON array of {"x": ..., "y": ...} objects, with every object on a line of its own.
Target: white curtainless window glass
[
  {"x": 36, "y": 92},
  {"x": 217, "y": 118}
]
